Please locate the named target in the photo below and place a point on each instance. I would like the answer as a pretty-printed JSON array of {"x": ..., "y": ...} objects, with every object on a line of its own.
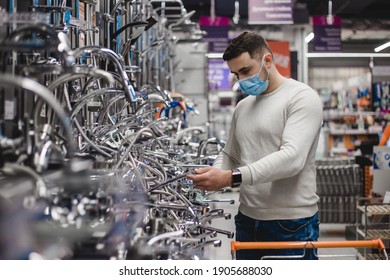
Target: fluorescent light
[
  {"x": 214, "y": 55},
  {"x": 309, "y": 37},
  {"x": 325, "y": 55},
  {"x": 382, "y": 47}
]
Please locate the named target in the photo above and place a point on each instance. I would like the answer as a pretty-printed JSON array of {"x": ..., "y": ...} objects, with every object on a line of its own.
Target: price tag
[
  {"x": 386, "y": 199},
  {"x": 9, "y": 110}
]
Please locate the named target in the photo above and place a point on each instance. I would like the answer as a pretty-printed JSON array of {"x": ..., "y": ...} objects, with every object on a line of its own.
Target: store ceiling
[
  {"x": 362, "y": 9},
  {"x": 356, "y": 14},
  {"x": 348, "y": 9},
  {"x": 363, "y": 21}
]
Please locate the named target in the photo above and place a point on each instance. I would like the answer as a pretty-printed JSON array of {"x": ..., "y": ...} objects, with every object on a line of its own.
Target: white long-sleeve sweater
[{"x": 273, "y": 140}]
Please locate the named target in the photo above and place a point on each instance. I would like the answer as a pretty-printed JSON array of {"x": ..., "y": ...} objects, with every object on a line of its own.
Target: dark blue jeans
[{"x": 251, "y": 230}]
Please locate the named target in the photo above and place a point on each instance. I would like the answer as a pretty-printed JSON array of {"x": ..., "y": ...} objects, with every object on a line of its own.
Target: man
[{"x": 270, "y": 152}]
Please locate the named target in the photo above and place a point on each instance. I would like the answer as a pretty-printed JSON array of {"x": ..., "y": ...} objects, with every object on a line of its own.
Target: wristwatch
[{"x": 236, "y": 178}]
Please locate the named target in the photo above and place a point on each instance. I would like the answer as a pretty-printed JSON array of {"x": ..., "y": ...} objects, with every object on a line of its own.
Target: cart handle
[{"x": 374, "y": 243}]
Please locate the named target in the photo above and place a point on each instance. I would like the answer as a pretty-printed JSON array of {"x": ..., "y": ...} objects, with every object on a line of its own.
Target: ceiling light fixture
[
  {"x": 382, "y": 47},
  {"x": 236, "y": 16},
  {"x": 309, "y": 37},
  {"x": 330, "y": 17}
]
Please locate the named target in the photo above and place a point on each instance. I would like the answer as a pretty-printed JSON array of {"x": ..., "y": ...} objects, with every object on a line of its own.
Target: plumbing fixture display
[{"x": 94, "y": 141}]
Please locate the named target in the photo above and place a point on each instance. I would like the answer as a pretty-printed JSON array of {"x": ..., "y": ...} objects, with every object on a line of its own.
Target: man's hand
[{"x": 211, "y": 178}]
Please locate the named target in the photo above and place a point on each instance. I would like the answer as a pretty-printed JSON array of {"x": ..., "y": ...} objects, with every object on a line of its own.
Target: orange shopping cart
[{"x": 305, "y": 245}]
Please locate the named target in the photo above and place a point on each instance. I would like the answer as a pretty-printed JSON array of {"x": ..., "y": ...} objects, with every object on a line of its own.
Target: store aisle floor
[{"x": 327, "y": 232}]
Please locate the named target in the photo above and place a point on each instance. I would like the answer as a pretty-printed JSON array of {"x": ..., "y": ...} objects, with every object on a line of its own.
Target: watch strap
[{"x": 236, "y": 178}]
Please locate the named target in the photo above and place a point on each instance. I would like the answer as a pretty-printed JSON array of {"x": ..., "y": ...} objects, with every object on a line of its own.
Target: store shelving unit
[
  {"x": 339, "y": 183},
  {"x": 342, "y": 133},
  {"x": 345, "y": 140},
  {"x": 342, "y": 138},
  {"x": 373, "y": 222}
]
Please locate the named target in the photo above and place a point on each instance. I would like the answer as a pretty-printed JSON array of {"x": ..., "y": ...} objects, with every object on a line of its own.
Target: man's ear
[{"x": 268, "y": 59}]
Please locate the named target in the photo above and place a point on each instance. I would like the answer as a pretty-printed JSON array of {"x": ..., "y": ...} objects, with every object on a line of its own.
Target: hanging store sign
[
  {"x": 216, "y": 37},
  {"x": 270, "y": 12},
  {"x": 327, "y": 34},
  {"x": 218, "y": 75},
  {"x": 281, "y": 53},
  {"x": 217, "y": 29},
  {"x": 214, "y": 21}
]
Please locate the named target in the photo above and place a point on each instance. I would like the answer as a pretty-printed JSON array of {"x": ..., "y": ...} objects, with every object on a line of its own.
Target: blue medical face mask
[{"x": 253, "y": 85}]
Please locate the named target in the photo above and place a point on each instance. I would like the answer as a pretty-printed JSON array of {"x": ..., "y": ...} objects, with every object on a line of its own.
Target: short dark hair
[{"x": 248, "y": 41}]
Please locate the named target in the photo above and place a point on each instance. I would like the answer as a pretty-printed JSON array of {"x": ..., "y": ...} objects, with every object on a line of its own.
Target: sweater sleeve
[
  {"x": 303, "y": 122},
  {"x": 228, "y": 157}
]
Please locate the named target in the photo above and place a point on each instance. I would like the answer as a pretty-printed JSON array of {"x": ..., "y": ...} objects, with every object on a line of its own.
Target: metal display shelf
[
  {"x": 375, "y": 209},
  {"x": 370, "y": 257},
  {"x": 373, "y": 223},
  {"x": 375, "y": 233}
]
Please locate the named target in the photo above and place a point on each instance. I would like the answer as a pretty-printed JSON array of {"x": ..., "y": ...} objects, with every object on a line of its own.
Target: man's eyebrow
[{"x": 240, "y": 70}]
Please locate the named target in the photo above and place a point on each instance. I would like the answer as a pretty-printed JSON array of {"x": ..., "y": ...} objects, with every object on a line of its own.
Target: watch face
[{"x": 236, "y": 178}]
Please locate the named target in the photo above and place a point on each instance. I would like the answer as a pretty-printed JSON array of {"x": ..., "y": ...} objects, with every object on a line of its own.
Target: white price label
[
  {"x": 9, "y": 110},
  {"x": 386, "y": 199}
]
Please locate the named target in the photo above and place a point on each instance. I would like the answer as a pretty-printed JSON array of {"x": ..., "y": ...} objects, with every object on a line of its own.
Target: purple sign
[
  {"x": 217, "y": 32},
  {"x": 216, "y": 21},
  {"x": 217, "y": 37},
  {"x": 270, "y": 12},
  {"x": 218, "y": 75},
  {"x": 327, "y": 34}
]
